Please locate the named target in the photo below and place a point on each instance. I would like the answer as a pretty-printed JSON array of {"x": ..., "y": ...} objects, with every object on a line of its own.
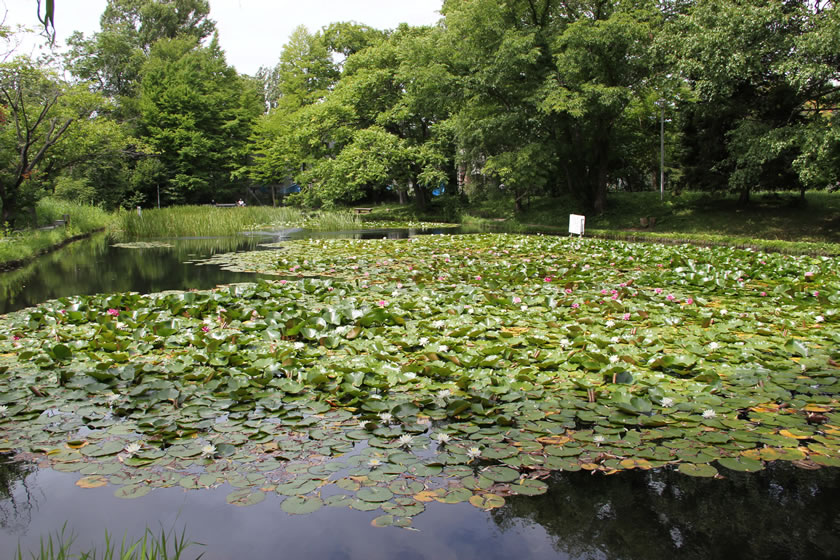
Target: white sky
[{"x": 252, "y": 32}]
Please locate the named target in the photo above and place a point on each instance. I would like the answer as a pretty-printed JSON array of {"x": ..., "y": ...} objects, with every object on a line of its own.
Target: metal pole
[
  {"x": 662, "y": 154},
  {"x": 158, "y": 189}
]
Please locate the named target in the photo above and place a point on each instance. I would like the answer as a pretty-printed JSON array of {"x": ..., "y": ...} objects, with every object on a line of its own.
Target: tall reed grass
[
  {"x": 210, "y": 221},
  {"x": 151, "y": 546}
]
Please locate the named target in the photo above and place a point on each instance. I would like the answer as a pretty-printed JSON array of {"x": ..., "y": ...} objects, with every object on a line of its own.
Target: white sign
[{"x": 576, "y": 224}]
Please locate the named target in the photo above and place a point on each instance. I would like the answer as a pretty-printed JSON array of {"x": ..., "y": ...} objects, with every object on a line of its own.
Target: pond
[{"x": 781, "y": 511}]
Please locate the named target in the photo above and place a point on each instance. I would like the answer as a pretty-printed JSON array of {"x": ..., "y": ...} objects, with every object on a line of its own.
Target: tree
[
  {"x": 112, "y": 59},
  {"x": 196, "y": 113},
  {"x": 30, "y": 129},
  {"x": 549, "y": 90},
  {"x": 765, "y": 76}
]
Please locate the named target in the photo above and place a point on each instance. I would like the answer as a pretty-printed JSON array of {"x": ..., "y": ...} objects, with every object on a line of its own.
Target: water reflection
[
  {"x": 781, "y": 512},
  {"x": 95, "y": 265}
]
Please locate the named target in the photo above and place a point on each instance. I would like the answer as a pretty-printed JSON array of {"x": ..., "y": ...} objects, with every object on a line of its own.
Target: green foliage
[
  {"x": 196, "y": 113},
  {"x": 25, "y": 245}
]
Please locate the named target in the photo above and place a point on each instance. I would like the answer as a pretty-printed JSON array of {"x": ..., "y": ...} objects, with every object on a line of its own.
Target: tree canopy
[{"x": 498, "y": 100}]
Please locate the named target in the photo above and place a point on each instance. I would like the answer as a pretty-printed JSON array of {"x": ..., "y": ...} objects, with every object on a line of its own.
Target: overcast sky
[{"x": 252, "y": 32}]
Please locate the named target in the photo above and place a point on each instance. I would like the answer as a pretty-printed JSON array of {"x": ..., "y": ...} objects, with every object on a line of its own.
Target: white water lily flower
[
  {"x": 709, "y": 413},
  {"x": 819, "y": 318},
  {"x": 299, "y": 345},
  {"x": 373, "y": 463},
  {"x": 667, "y": 402},
  {"x": 565, "y": 342},
  {"x": 723, "y": 312},
  {"x": 473, "y": 452},
  {"x": 410, "y": 375},
  {"x": 598, "y": 439},
  {"x": 208, "y": 450},
  {"x": 423, "y": 341},
  {"x": 132, "y": 448},
  {"x": 442, "y": 438},
  {"x": 609, "y": 324},
  {"x": 714, "y": 346},
  {"x": 438, "y": 324},
  {"x": 444, "y": 348},
  {"x": 404, "y": 440},
  {"x": 385, "y": 417},
  {"x": 615, "y": 340},
  {"x": 444, "y": 393},
  {"x": 614, "y": 359}
]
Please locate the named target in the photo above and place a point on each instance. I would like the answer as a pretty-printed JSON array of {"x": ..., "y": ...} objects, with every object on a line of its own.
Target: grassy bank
[
  {"x": 18, "y": 247},
  {"x": 775, "y": 221},
  {"x": 209, "y": 221}
]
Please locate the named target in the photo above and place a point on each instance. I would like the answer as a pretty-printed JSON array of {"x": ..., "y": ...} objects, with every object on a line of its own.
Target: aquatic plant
[{"x": 450, "y": 369}]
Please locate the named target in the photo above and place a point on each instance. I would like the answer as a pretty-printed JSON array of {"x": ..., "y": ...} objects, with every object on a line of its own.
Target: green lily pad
[{"x": 300, "y": 505}]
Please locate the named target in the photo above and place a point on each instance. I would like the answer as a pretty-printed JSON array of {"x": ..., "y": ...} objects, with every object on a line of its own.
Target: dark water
[
  {"x": 96, "y": 266},
  {"x": 781, "y": 512}
]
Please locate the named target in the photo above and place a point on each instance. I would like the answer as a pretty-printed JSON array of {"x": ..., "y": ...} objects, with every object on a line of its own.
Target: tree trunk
[
  {"x": 744, "y": 198},
  {"x": 419, "y": 194},
  {"x": 403, "y": 194}
]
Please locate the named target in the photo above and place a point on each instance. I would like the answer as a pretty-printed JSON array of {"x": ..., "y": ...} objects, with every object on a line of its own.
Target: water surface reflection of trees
[{"x": 781, "y": 512}]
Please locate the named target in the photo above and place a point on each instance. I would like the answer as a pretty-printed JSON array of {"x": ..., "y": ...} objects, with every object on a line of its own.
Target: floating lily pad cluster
[{"x": 383, "y": 374}]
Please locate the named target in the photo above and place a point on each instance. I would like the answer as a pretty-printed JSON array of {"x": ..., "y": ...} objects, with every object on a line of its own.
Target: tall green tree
[
  {"x": 197, "y": 114},
  {"x": 112, "y": 58},
  {"x": 551, "y": 90},
  {"x": 765, "y": 78}
]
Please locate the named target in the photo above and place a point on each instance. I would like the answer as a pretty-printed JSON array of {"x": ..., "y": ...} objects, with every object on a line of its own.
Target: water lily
[
  {"x": 667, "y": 402},
  {"x": 423, "y": 341},
  {"x": 299, "y": 345},
  {"x": 439, "y": 324},
  {"x": 614, "y": 359},
  {"x": 714, "y": 345},
  {"x": 382, "y": 303},
  {"x": 575, "y": 305},
  {"x": 444, "y": 393},
  {"x": 626, "y": 317},
  {"x": 3, "y": 409},
  {"x": 113, "y": 312},
  {"x": 404, "y": 440},
  {"x": 385, "y": 417},
  {"x": 132, "y": 448},
  {"x": 819, "y": 318},
  {"x": 598, "y": 439},
  {"x": 473, "y": 452},
  {"x": 373, "y": 463},
  {"x": 442, "y": 438},
  {"x": 709, "y": 413},
  {"x": 670, "y": 297},
  {"x": 609, "y": 324},
  {"x": 208, "y": 450},
  {"x": 444, "y": 348},
  {"x": 517, "y": 299}
]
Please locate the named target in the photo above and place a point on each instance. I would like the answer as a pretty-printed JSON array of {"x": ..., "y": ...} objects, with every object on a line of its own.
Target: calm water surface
[{"x": 781, "y": 512}]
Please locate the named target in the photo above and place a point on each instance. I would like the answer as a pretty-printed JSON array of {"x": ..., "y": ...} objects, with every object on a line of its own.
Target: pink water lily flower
[
  {"x": 657, "y": 291},
  {"x": 689, "y": 301},
  {"x": 626, "y": 316},
  {"x": 547, "y": 279},
  {"x": 670, "y": 297},
  {"x": 113, "y": 312},
  {"x": 381, "y": 303},
  {"x": 575, "y": 305}
]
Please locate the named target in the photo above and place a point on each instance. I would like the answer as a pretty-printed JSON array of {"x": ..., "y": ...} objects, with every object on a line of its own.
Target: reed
[
  {"x": 210, "y": 221},
  {"x": 151, "y": 546}
]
